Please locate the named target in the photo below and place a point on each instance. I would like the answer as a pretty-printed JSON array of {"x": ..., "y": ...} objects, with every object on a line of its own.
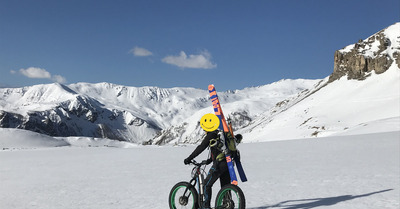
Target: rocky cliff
[{"x": 374, "y": 54}]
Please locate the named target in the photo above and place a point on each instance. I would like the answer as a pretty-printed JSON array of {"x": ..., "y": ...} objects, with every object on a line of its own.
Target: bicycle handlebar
[{"x": 204, "y": 162}]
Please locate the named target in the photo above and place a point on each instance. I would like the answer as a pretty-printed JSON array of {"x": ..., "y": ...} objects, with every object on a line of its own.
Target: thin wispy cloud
[
  {"x": 40, "y": 73},
  {"x": 198, "y": 61},
  {"x": 58, "y": 79},
  {"x": 140, "y": 52}
]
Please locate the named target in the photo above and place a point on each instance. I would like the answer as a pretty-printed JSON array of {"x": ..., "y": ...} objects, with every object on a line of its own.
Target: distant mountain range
[{"x": 363, "y": 88}]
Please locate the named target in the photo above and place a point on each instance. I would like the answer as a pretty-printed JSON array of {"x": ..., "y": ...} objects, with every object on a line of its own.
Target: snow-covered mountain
[
  {"x": 363, "y": 89},
  {"x": 112, "y": 111}
]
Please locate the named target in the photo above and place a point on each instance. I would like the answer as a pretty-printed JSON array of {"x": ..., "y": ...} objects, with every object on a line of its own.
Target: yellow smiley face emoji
[{"x": 209, "y": 122}]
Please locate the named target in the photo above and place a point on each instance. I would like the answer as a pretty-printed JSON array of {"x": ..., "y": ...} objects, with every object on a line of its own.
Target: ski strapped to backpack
[
  {"x": 227, "y": 138},
  {"x": 239, "y": 166}
]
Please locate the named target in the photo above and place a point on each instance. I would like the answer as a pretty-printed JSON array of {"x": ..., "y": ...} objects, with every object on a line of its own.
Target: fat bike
[{"x": 191, "y": 194}]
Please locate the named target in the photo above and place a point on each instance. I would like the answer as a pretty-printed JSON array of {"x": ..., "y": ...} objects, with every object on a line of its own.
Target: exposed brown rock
[{"x": 363, "y": 58}]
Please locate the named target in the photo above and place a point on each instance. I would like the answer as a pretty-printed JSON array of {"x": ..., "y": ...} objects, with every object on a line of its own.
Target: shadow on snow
[{"x": 317, "y": 202}]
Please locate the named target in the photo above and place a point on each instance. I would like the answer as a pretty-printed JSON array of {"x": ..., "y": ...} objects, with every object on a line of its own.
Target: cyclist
[{"x": 219, "y": 169}]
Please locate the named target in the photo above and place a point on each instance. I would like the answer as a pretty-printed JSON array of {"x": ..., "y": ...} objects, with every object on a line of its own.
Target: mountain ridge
[{"x": 119, "y": 112}]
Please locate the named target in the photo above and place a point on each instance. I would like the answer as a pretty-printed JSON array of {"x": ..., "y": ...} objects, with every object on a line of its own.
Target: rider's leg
[
  {"x": 225, "y": 178},
  {"x": 215, "y": 172},
  {"x": 212, "y": 176}
]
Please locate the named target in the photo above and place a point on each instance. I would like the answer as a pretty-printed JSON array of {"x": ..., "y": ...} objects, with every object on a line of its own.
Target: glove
[
  {"x": 239, "y": 138},
  {"x": 187, "y": 161}
]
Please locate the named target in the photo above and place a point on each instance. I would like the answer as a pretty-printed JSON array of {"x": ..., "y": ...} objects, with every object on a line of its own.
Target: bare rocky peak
[{"x": 374, "y": 54}]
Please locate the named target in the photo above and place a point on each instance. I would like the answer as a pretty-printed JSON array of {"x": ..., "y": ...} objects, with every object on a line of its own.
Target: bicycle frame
[{"x": 198, "y": 178}]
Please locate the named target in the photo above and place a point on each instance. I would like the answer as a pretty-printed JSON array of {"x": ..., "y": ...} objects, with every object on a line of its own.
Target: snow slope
[
  {"x": 16, "y": 139},
  {"x": 357, "y": 172},
  {"x": 334, "y": 109},
  {"x": 22, "y": 139}
]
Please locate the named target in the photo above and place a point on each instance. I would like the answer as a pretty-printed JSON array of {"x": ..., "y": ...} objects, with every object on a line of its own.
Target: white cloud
[
  {"x": 200, "y": 61},
  {"x": 140, "y": 52},
  {"x": 34, "y": 72}
]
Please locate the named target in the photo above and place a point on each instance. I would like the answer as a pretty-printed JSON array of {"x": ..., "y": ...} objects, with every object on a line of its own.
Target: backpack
[{"x": 230, "y": 144}]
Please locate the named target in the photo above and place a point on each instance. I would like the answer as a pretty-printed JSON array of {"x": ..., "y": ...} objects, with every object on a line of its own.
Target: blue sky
[{"x": 186, "y": 43}]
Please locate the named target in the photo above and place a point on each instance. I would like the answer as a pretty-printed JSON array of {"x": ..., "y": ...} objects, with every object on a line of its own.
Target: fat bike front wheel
[
  {"x": 230, "y": 197},
  {"x": 183, "y": 196}
]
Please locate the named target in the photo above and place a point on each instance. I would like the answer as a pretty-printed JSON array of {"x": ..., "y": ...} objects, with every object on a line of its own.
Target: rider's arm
[{"x": 199, "y": 149}]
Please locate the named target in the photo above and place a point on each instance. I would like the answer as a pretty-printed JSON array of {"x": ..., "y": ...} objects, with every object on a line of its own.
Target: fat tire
[
  {"x": 236, "y": 192},
  {"x": 182, "y": 186}
]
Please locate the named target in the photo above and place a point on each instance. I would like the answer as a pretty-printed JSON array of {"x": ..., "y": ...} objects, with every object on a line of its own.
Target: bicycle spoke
[
  {"x": 229, "y": 198},
  {"x": 183, "y": 198}
]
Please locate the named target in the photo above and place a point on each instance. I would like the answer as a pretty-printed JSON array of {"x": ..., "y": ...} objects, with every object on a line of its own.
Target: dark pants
[{"x": 218, "y": 170}]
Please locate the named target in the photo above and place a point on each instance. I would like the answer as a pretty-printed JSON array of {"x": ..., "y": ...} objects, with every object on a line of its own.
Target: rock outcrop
[{"x": 374, "y": 54}]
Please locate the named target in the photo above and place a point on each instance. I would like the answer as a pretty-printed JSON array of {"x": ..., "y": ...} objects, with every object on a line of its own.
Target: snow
[
  {"x": 358, "y": 172},
  {"x": 171, "y": 106},
  {"x": 371, "y": 47},
  {"x": 334, "y": 109},
  {"x": 40, "y": 98},
  {"x": 22, "y": 139},
  {"x": 136, "y": 114},
  {"x": 347, "y": 49},
  {"x": 378, "y": 126},
  {"x": 392, "y": 33}
]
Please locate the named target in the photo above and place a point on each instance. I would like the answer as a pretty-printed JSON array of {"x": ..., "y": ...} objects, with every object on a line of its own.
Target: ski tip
[{"x": 211, "y": 87}]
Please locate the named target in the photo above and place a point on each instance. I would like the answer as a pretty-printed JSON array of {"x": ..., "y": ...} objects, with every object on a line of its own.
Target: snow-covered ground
[{"x": 356, "y": 172}]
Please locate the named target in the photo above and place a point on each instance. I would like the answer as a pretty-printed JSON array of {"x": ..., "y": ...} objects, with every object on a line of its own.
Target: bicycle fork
[
  {"x": 199, "y": 180},
  {"x": 201, "y": 188}
]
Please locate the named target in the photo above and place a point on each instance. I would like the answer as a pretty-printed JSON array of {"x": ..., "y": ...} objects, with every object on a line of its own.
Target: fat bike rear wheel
[
  {"x": 230, "y": 197},
  {"x": 183, "y": 196}
]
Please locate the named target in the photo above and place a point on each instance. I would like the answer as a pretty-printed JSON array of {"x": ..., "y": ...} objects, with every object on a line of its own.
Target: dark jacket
[{"x": 204, "y": 144}]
